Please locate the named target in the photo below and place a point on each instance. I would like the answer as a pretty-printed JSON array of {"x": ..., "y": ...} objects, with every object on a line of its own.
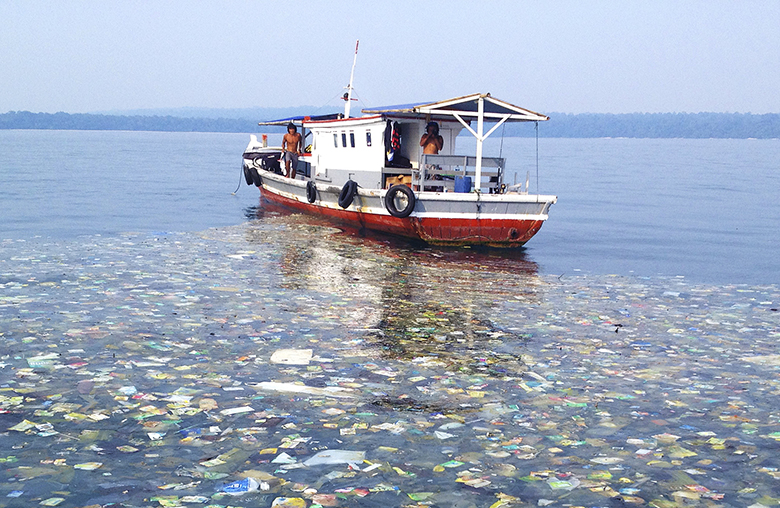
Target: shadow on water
[{"x": 428, "y": 307}]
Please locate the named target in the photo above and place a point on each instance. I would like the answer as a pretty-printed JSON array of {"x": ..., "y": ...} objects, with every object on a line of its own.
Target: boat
[{"x": 370, "y": 172}]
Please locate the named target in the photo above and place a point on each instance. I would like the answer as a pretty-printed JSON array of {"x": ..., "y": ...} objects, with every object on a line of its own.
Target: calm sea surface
[
  {"x": 703, "y": 209},
  {"x": 164, "y": 342}
]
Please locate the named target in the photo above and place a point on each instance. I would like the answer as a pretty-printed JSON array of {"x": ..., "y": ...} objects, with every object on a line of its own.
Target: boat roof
[
  {"x": 298, "y": 120},
  {"x": 465, "y": 109},
  {"x": 466, "y": 106}
]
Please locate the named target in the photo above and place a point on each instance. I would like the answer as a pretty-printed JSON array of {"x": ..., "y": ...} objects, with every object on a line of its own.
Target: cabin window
[
  {"x": 335, "y": 140},
  {"x": 344, "y": 139},
  {"x": 368, "y": 138},
  {"x": 352, "y": 139}
]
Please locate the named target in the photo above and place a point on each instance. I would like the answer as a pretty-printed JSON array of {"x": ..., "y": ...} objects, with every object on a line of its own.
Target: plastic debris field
[{"x": 282, "y": 363}]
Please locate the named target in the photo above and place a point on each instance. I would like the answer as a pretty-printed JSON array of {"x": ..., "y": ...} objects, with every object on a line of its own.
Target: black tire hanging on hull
[
  {"x": 311, "y": 192},
  {"x": 256, "y": 178},
  {"x": 248, "y": 175},
  {"x": 390, "y": 201},
  {"x": 347, "y": 193}
]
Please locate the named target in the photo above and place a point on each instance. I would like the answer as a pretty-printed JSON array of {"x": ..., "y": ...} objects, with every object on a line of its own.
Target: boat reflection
[{"x": 422, "y": 304}]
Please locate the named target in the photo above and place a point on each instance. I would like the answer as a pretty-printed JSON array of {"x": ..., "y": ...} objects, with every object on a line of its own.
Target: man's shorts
[{"x": 292, "y": 157}]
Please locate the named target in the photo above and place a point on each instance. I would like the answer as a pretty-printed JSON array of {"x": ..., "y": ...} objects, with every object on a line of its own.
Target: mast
[{"x": 348, "y": 95}]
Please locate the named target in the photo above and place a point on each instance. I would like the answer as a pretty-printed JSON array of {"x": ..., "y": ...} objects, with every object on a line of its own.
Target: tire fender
[
  {"x": 311, "y": 191},
  {"x": 256, "y": 178},
  {"x": 347, "y": 193},
  {"x": 390, "y": 201}
]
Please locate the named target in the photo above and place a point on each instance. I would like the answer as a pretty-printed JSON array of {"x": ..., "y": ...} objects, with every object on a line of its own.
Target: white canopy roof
[{"x": 466, "y": 107}]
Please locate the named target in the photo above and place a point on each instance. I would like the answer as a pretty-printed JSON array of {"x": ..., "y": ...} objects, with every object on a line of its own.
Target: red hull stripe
[{"x": 449, "y": 231}]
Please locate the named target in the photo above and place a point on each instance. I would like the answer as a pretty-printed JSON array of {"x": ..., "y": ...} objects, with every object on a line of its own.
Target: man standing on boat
[
  {"x": 431, "y": 141},
  {"x": 291, "y": 149}
]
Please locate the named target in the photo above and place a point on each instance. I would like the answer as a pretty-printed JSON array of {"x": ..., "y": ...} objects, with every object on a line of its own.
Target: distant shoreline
[{"x": 561, "y": 125}]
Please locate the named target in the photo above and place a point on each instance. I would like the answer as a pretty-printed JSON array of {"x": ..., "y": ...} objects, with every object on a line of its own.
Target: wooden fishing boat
[{"x": 371, "y": 172}]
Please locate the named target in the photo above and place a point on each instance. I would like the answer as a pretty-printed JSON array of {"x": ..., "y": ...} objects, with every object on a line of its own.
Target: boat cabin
[
  {"x": 383, "y": 148},
  {"x": 375, "y": 151}
]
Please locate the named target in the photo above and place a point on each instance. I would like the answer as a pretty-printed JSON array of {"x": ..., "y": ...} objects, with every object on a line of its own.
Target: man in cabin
[
  {"x": 431, "y": 141},
  {"x": 291, "y": 149}
]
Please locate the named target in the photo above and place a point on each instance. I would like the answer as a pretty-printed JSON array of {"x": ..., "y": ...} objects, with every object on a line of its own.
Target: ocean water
[
  {"x": 703, "y": 209},
  {"x": 162, "y": 339},
  {"x": 63, "y": 184}
]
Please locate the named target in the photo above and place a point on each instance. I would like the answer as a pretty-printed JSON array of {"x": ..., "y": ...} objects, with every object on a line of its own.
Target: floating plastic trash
[
  {"x": 292, "y": 356},
  {"x": 241, "y": 487},
  {"x": 404, "y": 376}
]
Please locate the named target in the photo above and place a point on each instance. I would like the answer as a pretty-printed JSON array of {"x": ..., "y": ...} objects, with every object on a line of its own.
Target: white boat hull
[{"x": 442, "y": 218}]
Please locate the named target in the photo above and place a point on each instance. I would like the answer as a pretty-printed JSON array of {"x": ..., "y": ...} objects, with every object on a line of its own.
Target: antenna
[{"x": 348, "y": 95}]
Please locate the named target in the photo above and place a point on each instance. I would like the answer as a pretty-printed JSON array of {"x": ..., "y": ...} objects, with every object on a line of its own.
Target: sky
[{"x": 580, "y": 56}]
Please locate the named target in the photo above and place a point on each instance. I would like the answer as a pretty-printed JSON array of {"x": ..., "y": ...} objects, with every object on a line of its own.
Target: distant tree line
[
  {"x": 80, "y": 121},
  {"x": 654, "y": 125},
  {"x": 561, "y": 125}
]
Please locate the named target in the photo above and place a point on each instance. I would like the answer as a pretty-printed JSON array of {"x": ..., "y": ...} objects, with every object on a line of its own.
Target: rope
[
  {"x": 536, "y": 128},
  {"x": 360, "y": 99},
  {"x": 240, "y": 175},
  {"x": 327, "y": 103},
  {"x": 501, "y": 148}
]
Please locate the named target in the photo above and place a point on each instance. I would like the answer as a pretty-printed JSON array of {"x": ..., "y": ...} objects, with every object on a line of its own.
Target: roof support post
[
  {"x": 480, "y": 128},
  {"x": 499, "y": 124},
  {"x": 466, "y": 125}
]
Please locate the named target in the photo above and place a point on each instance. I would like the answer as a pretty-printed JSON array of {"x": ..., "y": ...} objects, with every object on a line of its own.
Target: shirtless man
[
  {"x": 431, "y": 141},
  {"x": 291, "y": 149}
]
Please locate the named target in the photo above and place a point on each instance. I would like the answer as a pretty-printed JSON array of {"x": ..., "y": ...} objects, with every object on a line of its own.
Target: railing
[{"x": 438, "y": 172}]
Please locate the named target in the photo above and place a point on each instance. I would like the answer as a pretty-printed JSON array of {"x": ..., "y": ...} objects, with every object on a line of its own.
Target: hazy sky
[{"x": 562, "y": 56}]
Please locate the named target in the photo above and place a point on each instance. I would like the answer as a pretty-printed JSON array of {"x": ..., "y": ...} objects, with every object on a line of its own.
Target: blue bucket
[{"x": 462, "y": 184}]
